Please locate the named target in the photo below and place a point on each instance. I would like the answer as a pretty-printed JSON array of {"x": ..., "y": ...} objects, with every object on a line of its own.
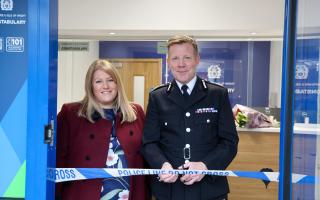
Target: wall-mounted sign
[
  {"x": 13, "y": 104},
  {"x": 73, "y": 46},
  {"x": 162, "y": 47},
  {"x": 306, "y": 90}
]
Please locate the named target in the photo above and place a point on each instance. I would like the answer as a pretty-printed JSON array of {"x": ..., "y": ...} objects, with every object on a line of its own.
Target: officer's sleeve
[
  {"x": 220, "y": 157},
  {"x": 151, "y": 136}
]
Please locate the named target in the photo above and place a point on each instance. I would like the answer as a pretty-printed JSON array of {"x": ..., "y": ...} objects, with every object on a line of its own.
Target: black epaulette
[
  {"x": 208, "y": 82},
  {"x": 168, "y": 85}
]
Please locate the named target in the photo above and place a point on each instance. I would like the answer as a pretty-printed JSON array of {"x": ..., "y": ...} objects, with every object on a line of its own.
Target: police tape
[{"x": 73, "y": 174}]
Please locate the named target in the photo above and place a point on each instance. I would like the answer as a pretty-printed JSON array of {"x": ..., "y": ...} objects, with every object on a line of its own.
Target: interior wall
[{"x": 72, "y": 69}]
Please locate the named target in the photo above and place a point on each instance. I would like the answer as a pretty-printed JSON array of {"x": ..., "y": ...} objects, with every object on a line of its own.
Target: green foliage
[{"x": 241, "y": 119}]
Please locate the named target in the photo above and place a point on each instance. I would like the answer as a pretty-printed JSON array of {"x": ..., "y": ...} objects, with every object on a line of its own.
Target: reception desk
[{"x": 258, "y": 148}]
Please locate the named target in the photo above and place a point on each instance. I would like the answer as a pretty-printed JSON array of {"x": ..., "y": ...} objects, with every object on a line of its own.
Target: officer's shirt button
[
  {"x": 208, "y": 120},
  {"x": 187, "y": 114},
  {"x": 188, "y": 130},
  {"x": 187, "y": 145},
  {"x": 166, "y": 123}
]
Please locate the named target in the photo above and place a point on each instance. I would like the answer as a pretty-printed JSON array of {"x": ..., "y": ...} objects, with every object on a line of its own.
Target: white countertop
[
  {"x": 270, "y": 129},
  {"x": 310, "y": 129}
]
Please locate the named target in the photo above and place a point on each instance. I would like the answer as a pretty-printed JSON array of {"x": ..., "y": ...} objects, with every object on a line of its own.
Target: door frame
[
  {"x": 287, "y": 100},
  {"x": 42, "y": 69}
]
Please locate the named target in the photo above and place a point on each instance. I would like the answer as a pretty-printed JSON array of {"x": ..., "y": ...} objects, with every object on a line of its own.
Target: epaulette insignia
[
  {"x": 160, "y": 86},
  {"x": 169, "y": 87},
  {"x": 204, "y": 84}
]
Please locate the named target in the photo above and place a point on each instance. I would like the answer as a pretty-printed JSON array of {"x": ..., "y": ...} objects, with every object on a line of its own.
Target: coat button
[
  {"x": 188, "y": 130},
  {"x": 208, "y": 120},
  {"x": 187, "y": 114},
  {"x": 166, "y": 123},
  {"x": 131, "y": 133},
  {"x": 87, "y": 157},
  {"x": 91, "y": 136}
]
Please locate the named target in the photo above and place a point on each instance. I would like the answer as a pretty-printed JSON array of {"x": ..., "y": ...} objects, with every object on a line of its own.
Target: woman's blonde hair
[{"x": 121, "y": 103}]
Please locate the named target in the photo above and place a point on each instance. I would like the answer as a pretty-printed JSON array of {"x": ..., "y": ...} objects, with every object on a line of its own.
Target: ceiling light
[
  {"x": 112, "y": 33},
  {"x": 253, "y": 33}
]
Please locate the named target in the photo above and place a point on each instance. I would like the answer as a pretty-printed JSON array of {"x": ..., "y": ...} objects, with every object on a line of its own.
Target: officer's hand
[
  {"x": 167, "y": 178},
  {"x": 189, "y": 179}
]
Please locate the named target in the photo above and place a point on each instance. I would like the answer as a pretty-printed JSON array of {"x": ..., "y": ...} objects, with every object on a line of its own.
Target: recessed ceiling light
[
  {"x": 253, "y": 33},
  {"x": 112, "y": 33}
]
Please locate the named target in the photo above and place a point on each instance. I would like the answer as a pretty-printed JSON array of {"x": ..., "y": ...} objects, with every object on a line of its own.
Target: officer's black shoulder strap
[
  {"x": 167, "y": 86},
  {"x": 205, "y": 84}
]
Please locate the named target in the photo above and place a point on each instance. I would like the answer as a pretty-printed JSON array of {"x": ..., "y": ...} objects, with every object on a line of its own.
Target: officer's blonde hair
[
  {"x": 181, "y": 39},
  {"x": 89, "y": 104}
]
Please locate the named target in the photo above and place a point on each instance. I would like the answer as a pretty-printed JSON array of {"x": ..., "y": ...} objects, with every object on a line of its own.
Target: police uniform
[{"x": 199, "y": 128}]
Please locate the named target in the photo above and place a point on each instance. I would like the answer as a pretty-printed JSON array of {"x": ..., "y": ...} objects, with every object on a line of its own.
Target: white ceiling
[{"x": 157, "y": 20}]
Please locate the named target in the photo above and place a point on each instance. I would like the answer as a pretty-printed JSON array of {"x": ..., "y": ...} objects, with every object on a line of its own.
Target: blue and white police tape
[{"x": 72, "y": 174}]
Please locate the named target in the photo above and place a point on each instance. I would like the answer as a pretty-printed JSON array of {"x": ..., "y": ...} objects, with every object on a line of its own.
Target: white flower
[
  {"x": 112, "y": 158},
  {"x": 110, "y": 145},
  {"x": 124, "y": 195}
]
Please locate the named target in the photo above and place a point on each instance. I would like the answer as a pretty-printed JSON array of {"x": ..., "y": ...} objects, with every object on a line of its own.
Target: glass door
[
  {"x": 305, "y": 157},
  {"x": 300, "y": 107}
]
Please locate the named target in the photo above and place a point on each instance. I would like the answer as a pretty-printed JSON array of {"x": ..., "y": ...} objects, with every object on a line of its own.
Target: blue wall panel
[
  {"x": 231, "y": 58},
  {"x": 260, "y": 86}
]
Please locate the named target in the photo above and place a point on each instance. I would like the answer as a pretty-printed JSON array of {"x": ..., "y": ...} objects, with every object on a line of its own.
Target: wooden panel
[
  {"x": 149, "y": 68},
  {"x": 255, "y": 151}
]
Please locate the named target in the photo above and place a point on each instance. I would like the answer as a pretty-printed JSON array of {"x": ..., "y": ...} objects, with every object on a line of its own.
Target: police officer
[{"x": 189, "y": 125}]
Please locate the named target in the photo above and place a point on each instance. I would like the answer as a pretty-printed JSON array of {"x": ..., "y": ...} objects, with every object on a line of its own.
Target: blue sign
[
  {"x": 307, "y": 86},
  {"x": 306, "y": 90},
  {"x": 223, "y": 72},
  {"x": 13, "y": 104}
]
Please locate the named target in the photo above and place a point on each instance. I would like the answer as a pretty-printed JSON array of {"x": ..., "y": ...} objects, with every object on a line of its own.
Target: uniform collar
[
  {"x": 190, "y": 84},
  {"x": 198, "y": 93}
]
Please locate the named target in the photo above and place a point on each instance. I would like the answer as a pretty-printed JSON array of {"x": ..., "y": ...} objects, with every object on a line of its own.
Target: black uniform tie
[{"x": 185, "y": 93}]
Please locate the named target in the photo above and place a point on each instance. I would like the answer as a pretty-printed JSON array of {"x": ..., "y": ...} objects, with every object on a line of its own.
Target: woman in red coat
[{"x": 104, "y": 130}]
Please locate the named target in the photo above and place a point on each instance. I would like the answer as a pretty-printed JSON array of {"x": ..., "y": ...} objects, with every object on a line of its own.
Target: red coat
[{"x": 82, "y": 144}]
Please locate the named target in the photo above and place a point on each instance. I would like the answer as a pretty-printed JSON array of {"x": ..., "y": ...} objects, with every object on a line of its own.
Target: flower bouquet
[{"x": 250, "y": 118}]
